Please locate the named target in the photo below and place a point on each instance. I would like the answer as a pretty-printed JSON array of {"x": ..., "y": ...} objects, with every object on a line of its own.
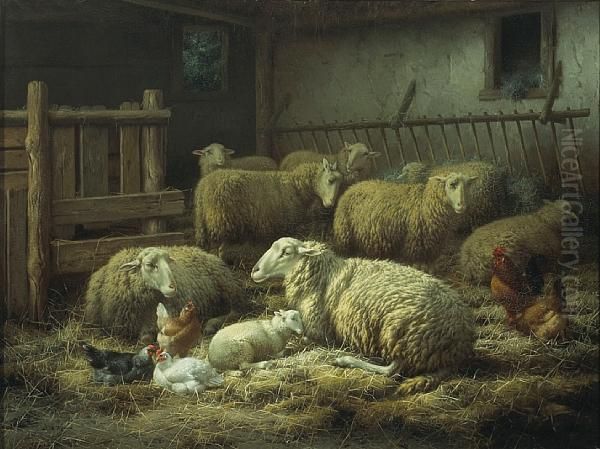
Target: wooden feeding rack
[{"x": 56, "y": 174}]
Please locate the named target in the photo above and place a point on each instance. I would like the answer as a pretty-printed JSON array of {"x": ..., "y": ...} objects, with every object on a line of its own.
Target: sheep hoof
[{"x": 415, "y": 385}]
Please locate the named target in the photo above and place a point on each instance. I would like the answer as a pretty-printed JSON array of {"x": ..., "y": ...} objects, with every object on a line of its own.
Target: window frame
[
  {"x": 179, "y": 91},
  {"x": 492, "y": 42}
]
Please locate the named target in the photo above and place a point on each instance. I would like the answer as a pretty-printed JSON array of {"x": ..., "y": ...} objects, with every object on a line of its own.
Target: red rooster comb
[{"x": 499, "y": 251}]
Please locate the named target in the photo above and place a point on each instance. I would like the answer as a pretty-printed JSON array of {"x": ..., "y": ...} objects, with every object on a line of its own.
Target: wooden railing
[{"x": 89, "y": 167}]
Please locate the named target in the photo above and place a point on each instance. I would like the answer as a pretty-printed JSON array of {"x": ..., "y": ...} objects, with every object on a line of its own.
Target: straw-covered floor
[{"x": 518, "y": 392}]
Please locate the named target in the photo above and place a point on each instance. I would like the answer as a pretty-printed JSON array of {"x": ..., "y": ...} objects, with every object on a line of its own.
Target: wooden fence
[
  {"x": 485, "y": 137},
  {"x": 62, "y": 168}
]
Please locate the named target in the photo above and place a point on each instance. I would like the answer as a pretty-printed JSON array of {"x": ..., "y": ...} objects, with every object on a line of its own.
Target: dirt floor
[{"x": 517, "y": 393}]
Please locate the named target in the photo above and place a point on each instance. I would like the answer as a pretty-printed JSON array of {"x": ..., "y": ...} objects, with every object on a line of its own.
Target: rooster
[
  {"x": 177, "y": 335},
  {"x": 532, "y": 300}
]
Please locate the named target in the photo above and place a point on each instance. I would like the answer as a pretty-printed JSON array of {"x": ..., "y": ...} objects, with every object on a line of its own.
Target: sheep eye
[{"x": 453, "y": 185}]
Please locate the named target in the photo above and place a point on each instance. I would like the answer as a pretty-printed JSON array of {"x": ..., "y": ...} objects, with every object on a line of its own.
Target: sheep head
[
  {"x": 289, "y": 319},
  {"x": 358, "y": 156},
  {"x": 154, "y": 267},
  {"x": 455, "y": 186},
  {"x": 215, "y": 154},
  {"x": 281, "y": 258},
  {"x": 328, "y": 183}
]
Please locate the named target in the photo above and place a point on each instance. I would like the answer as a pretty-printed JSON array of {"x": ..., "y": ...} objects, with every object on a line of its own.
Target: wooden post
[
  {"x": 264, "y": 87},
  {"x": 153, "y": 177},
  {"x": 547, "y": 109},
  {"x": 39, "y": 199}
]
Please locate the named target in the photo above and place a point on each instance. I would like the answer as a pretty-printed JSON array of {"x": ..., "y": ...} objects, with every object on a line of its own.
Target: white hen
[{"x": 187, "y": 375}]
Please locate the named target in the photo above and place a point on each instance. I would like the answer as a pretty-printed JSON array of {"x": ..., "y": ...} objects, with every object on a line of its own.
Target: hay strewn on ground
[{"x": 517, "y": 392}]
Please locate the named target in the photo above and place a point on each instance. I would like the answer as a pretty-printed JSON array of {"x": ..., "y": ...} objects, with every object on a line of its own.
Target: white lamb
[{"x": 250, "y": 343}]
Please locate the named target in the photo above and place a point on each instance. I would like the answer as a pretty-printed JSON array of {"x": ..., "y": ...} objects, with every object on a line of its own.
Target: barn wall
[
  {"x": 111, "y": 54},
  {"x": 362, "y": 74}
]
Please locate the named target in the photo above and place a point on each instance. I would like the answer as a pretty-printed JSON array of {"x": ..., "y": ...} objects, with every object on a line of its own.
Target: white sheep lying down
[
  {"x": 412, "y": 320},
  {"x": 122, "y": 296},
  {"x": 250, "y": 344}
]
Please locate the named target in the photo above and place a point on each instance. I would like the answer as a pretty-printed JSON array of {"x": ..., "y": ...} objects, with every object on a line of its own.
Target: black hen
[{"x": 111, "y": 368}]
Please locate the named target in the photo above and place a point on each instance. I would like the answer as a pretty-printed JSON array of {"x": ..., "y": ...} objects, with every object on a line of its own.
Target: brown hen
[
  {"x": 532, "y": 302},
  {"x": 177, "y": 335}
]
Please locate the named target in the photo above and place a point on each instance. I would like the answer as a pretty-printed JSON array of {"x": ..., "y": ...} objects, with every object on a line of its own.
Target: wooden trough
[{"x": 61, "y": 168}]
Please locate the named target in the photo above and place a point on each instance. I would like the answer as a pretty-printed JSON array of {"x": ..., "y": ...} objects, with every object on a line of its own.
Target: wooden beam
[
  {"x": 195, "y": 11},
  {"x": 547, "y": 109},
  {"x": 405, "y": 104},
  {"x": 86, "y": 256},
  {"x": 106, "y": 117},
  {"x": 13, "y": 180},
  {"x": 118, "y": 207},
  {"x": 39, "y": 199},
  {"x": 129, "y": 150},
  {"x": 264, "y": 88},
  {"x": 93, "y": 160},
  {"x": 16, "y": 253},
  {"x": 153, "y": 149}
]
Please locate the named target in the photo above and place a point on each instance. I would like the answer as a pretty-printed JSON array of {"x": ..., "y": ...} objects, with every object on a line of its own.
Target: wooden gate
[{"x": 64, "y": 168}]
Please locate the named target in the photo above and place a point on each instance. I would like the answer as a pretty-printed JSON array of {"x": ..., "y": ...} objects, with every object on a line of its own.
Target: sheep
[
  {"x": 354, "y": 161},
  {"x": 215, "y": 156},
  {"x": 232, "y": 206},
  {"x": 407, "y": 222},
  {"x": 413, "y": 321},
  {"x": 122, "y": 296},
  {"x": 489, "y": 192},
  {"x": 250, "y": 344},
  {"x": 538, "y": 233}
]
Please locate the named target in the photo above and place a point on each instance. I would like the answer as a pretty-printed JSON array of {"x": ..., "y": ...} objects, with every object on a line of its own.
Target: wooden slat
[
  {"x": 87, "y": 255},
  {"x": 62, "y": 142},
  {"x": 474, "y": 131},
  {"x": 538, "y": 150},
  {"x": 90, "y": 117},
  {"x": 400, "y": 146},
  {"x": 428, "y": 138},
  {"x": 3, "y": 264},
  {"x": 414, "y": 139},
  {"x": 506, "y": 147},
  {"x": 13, "y": 180},
  {"x": 16, "y": 252},
  {"x": 118, "y": 207},
  {"x": 460, "y": 141},
  {"x": 13, "y": 160},
  {"x": 523, "y": 149},
  {"x": 445, "y": 140},
  {"x": 328, "y": 141},
  {"x": 13, "y": 137},
  {"x": 153, "y": 156},
  {"x": 39, "y": 192},
  {"x": 386, "y": 147},
  {"x": 129, "y": 150},
  {"x": 491, "y": 137},
  {"x": 93, "y": 160}
]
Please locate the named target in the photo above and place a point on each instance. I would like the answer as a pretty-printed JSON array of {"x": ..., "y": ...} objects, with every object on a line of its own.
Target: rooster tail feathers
[{"x": 92, "y": 355}]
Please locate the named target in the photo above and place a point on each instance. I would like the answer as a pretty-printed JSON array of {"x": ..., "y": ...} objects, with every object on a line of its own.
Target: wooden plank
[
  {"x": 129, "y": 150},
  {"x": 62, "y": 142},
  {"x": 87, "y": 117},
  {"x": 552, "y": 95},
  {"x": 118, "y": 207},
  {"x": 14, "y": 160},
  {"x": 491, "y": 137},
  {"x": 429, "y": 145},
  {"x": 13, "y": 180},
  {"x": 414, "y": 139},
  {"x": 400, "y": 146},
  {"x": 386, "y": 147},
  {"x": 87, "y": 255},
  {"x": 39, "y": 199},
  {"x": 409, "y": 94},
  {"x": 153, "y": 177},
  {"x": 445, "y": 140},
  {"x": 474, "y": 131},
  {"x": 4, "y": 311},
  {"x": 523, "y": 149},
  {"x": 16, "y": 253},
  {"x": 506, "y": 147},
  {"x": 93, "y": 160},
  {"x": 460, "y": 142},
  {"x": 538, "y": 150},
  {"x": 12, "y": 137},
  {"x": 264, "y": 86}
]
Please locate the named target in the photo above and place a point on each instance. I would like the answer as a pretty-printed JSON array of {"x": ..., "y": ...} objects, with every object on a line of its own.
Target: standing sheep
[
  {"x": 354, "y": 161},
  {"x": 488, "y": 192},
  {"x": 122, "y": 296},
  {"x": 233, "y": 206},
  {"x": 538, "y": 233},
  {"x": 408, "y": 222},
  {"x": 215, "y": 156},
  {"x": 412, "y": 320},
  {"x": 250, "y": 344}
]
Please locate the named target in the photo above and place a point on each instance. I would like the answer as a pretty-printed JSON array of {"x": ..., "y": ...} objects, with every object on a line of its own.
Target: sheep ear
[
  {"x": 229, "y": 151},
  {"x": 277, "y": 313},
  {"x": 472, "y": 178},
  {"x": 333, "y": 166},
  {"x": 129, "y": 266},
  {"x": 346, "y": 146},
  {"x": 373, "y": 154},
  {"x": 309, "y": 251},
  {"x": 439, "y": 178},
  {"x": 326, "y": 165},
  {"x": 200, "y": 152}
]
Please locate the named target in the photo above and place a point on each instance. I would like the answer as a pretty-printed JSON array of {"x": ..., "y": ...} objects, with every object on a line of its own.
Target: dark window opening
[
  {"x": 204, "y": 60},
  {"x": 520, "y": 57}
]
